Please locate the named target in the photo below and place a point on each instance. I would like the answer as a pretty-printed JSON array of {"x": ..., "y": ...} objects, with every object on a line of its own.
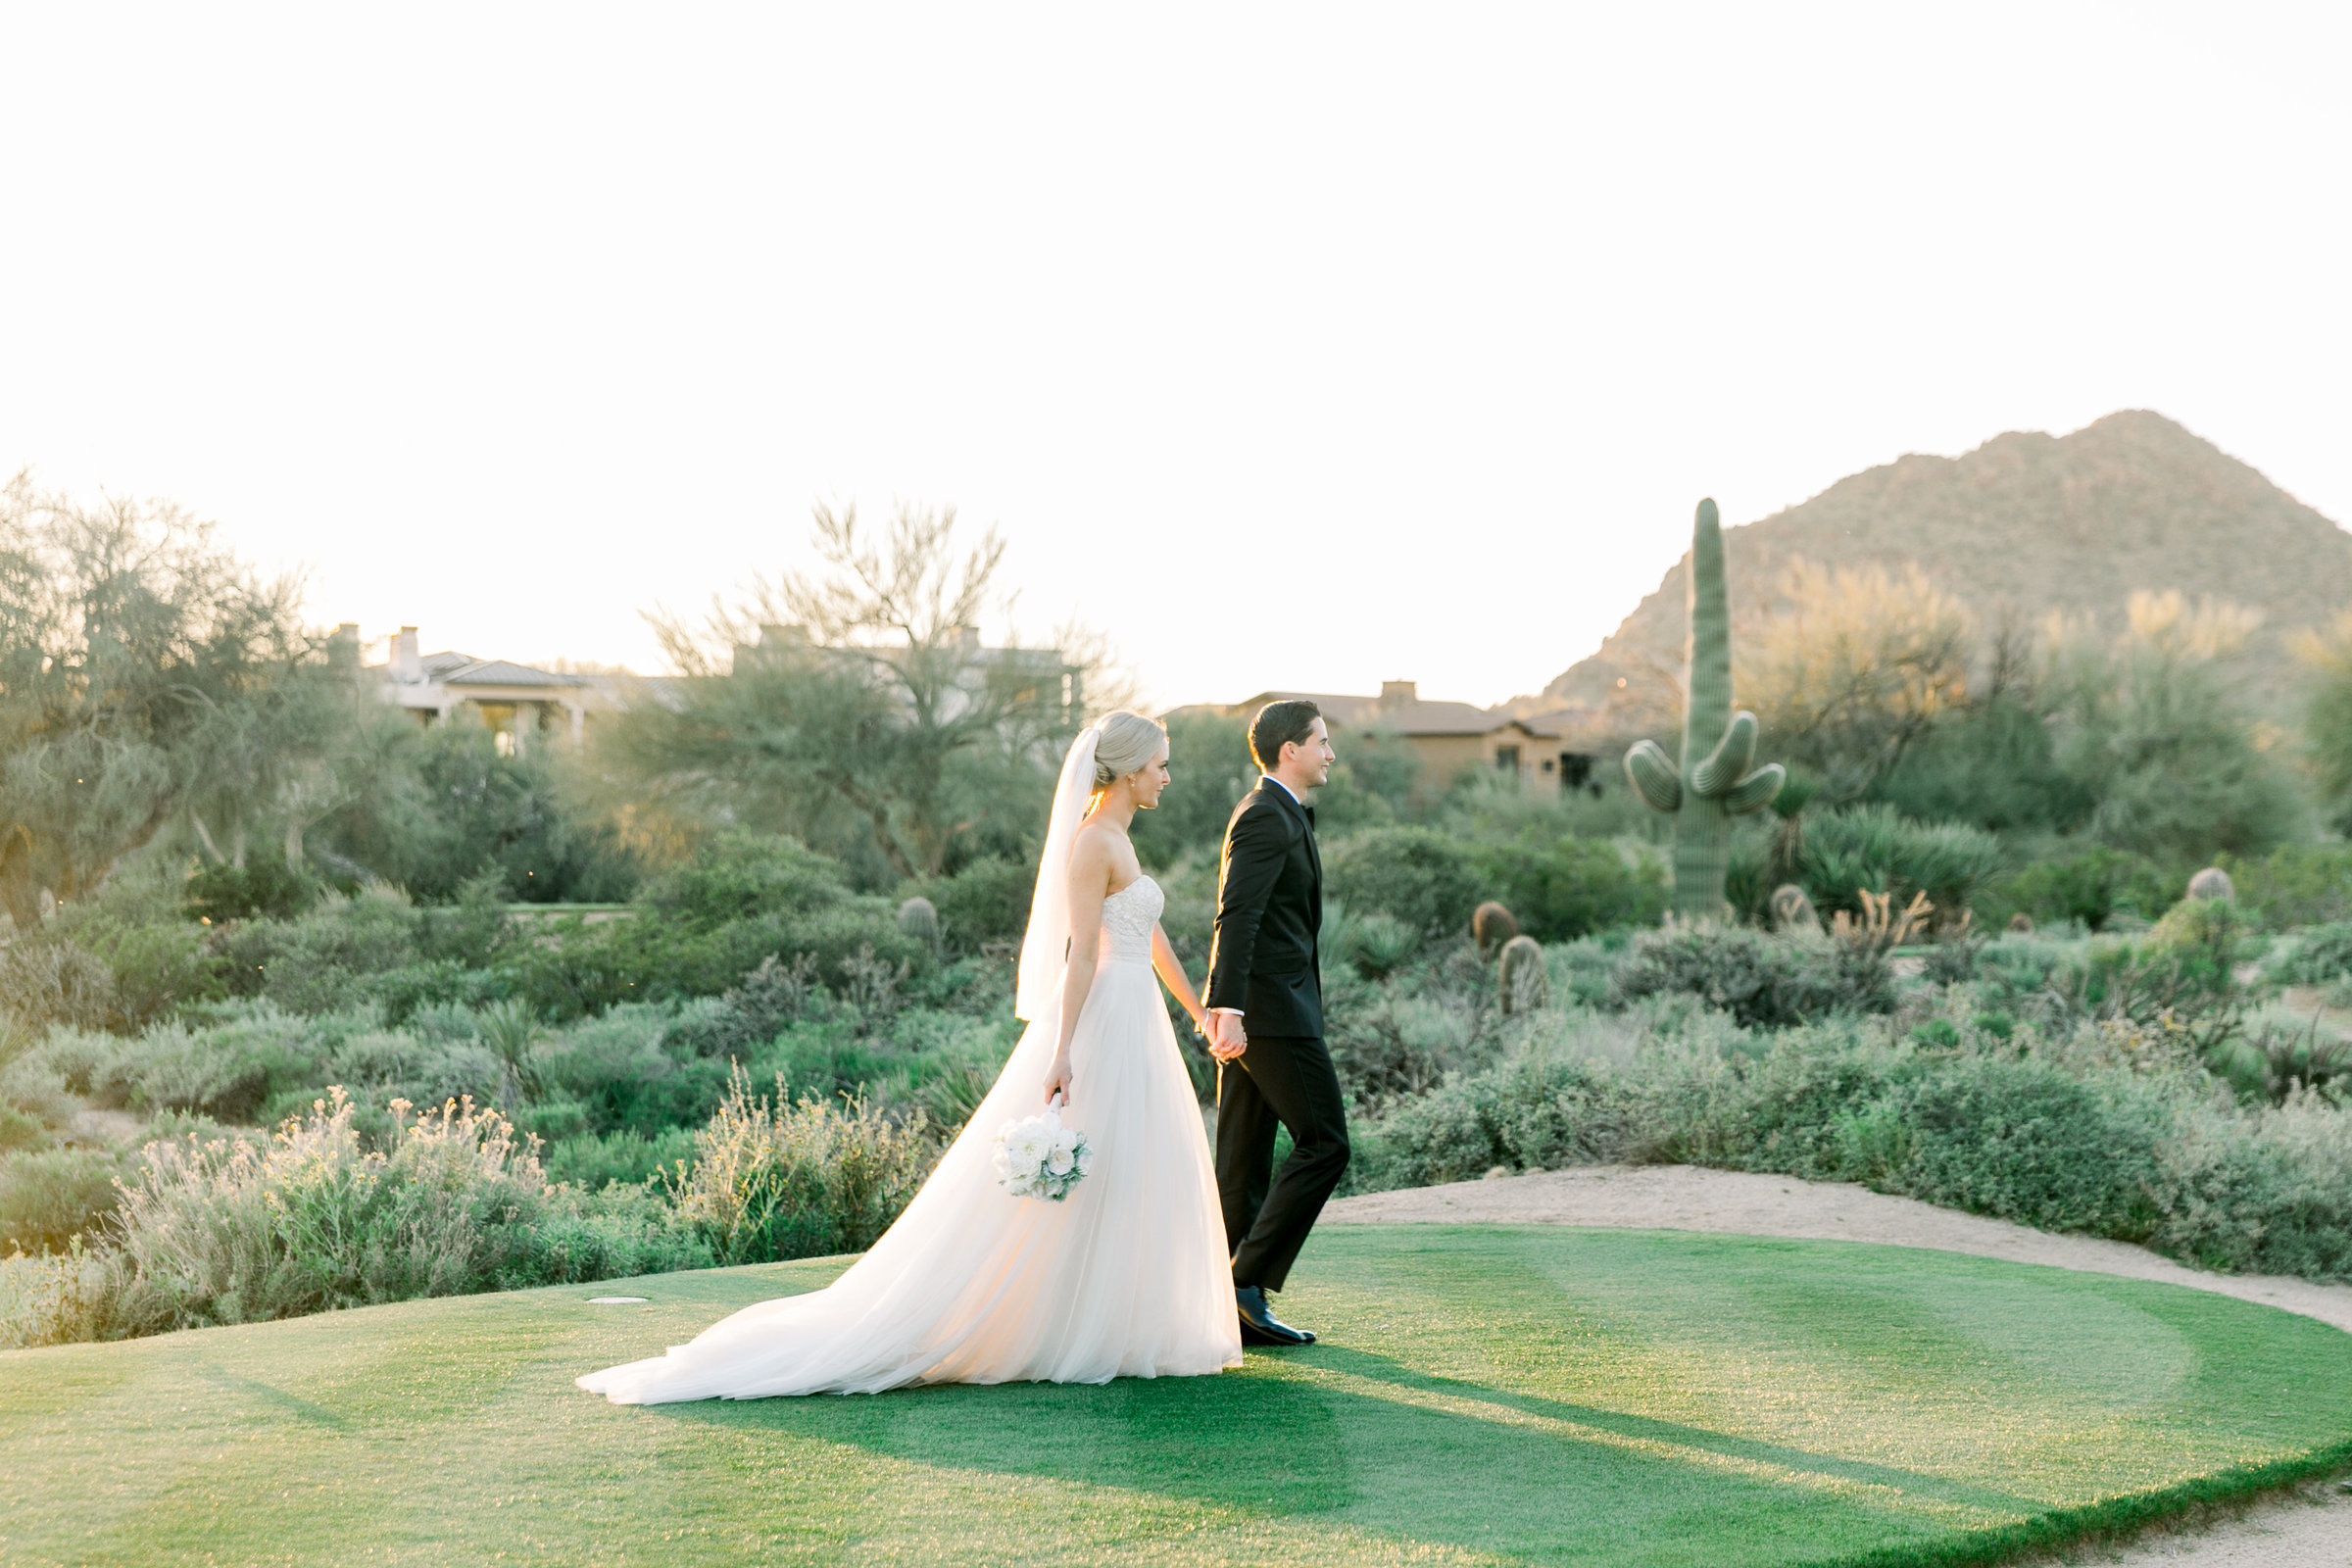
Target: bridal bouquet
[{"x": 1037, "y": 1156}]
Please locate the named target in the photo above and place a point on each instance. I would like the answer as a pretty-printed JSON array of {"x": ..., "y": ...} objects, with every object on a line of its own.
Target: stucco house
[
  {"x": 518, "y": 704},
  {"x": 1446, "y": 740}
]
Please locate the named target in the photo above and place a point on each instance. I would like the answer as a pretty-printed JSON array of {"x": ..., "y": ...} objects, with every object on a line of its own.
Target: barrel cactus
[
  {"x": 918, "y": 918},
  {"x": 1522, "y": 985},
  {"x": 1492, "y": 924},
  {"x": 1714, "y": 783},
  {"x": 1792, "y": 912},
  {"x": 2212, "y": 883}
]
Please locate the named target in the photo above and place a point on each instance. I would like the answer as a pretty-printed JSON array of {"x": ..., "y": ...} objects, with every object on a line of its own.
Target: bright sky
[{"x": 1292, "y": 346}]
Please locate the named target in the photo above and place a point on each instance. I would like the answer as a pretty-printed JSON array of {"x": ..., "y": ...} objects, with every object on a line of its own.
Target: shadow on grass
[{"x": 1436, "y": 1460}]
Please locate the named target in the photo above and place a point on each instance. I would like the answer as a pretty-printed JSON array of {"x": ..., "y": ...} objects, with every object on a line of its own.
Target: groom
[{"x": 1264, "y": 1019}]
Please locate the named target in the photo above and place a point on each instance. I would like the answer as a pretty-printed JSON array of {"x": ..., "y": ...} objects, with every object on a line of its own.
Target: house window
[
  {"x": 1506, "y": 759},
  {"x": 1576, "y": 770}
]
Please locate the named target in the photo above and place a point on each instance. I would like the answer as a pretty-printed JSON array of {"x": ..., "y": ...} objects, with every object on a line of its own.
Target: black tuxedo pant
[{"x": 1287, "y": 1083}]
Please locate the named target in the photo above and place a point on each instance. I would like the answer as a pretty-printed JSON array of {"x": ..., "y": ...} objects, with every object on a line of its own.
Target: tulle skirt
[{"x": 1127, "y": 1277}]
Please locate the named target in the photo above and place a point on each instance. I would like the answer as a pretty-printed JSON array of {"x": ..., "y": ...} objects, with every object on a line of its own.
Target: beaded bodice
[{"x": 1128, "y": 917}]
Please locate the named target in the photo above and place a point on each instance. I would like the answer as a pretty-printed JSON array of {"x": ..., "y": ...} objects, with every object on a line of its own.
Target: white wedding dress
[{"x": 1127, "y": 1277}]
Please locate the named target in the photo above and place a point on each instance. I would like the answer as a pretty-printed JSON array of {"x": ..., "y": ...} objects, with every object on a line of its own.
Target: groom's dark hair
[{"x": 1278, "y": 724}]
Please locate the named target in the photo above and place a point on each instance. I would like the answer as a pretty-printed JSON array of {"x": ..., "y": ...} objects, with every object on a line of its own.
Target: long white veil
[{"x": 1046, "y": 946}]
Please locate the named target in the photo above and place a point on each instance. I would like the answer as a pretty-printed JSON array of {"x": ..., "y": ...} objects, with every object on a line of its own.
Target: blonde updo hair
[{"x": 1128, "y": 741}]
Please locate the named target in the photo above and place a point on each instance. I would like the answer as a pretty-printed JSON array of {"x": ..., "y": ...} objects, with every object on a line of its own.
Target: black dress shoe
[{"x": 1259, "y": 1325}]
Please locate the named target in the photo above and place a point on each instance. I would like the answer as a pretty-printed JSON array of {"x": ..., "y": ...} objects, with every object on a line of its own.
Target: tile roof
[{"x": 452, "y": 668}]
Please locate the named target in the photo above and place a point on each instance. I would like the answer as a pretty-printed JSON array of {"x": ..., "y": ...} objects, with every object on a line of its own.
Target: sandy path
[{"x": 2312, "y": 1529}]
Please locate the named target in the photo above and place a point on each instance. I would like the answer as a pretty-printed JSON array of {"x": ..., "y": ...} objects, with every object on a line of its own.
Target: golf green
[{"x": 1490, "y": 1395}]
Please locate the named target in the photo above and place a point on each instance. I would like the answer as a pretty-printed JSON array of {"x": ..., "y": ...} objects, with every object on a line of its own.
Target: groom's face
[{"x": 1309, "y": 760}]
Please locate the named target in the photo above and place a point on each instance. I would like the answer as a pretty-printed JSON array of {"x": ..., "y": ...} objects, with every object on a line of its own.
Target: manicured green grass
[{"x": 1515, "y": 1395}]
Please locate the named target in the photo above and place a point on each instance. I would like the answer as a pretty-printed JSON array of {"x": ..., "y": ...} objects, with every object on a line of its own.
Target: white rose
[
  {"x": 1085, "y": 1159},
  {"x": 1058, "y": 1163}
]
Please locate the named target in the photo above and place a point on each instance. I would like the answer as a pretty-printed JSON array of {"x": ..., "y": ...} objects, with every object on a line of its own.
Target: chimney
[
  {"x": 407, "y": 665},
  {"x": 343, "y": 648},
  {"x": 1400, "y": 692}
]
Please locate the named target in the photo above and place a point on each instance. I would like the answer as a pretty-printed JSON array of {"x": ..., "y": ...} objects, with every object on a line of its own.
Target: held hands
[{"x": 1226, "y": 1040}]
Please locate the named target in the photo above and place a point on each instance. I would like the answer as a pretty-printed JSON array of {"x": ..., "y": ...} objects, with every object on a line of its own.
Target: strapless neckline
[{"x": 1140, "y": 880}]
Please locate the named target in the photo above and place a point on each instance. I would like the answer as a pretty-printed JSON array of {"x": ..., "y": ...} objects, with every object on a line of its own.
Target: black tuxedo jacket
[{"x": 1264, "y": 958}]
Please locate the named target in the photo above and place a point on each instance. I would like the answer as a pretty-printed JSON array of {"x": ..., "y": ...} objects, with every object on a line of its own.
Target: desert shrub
[
  {"x": 264, "y": 886},
  {"x": 320, "y": 960},
  {"x": 233, "y": 1231},
  {"x": 2081, "y": 1137},
  {"x": 985, "y": 903},
  {"x": 400, "y": 992},
  {"x": 1564, "y": 888},
  {"x": 798, "y": 1179},
  {"x": 49, "y": 1196},
  {"x": 2181, "y": 974},
  {"x": 44, "y": 982},
  {"x": 591, "y": 1162},
  {"x": 2294, "y": 885},
  {"x": 1373, "y": 946},
  {"x": 1761, "y": 980},
  {"x": 1387, "y": 1042},
  {"x": 2021, "y": 1139},
  {"x": 2090, "y": 888},
  {"x": 749, "y": 1014},
  {"x": 54, "y": 1298},
  {"x": 2315, "y": 956},
  {"x": 741, "y": 876},
  {"x": 1411, "y": 874},
  {"x": 620, "y": 1067},
  {"x": 1876, "y": 847},
  {"x": 574, "y": 969}
]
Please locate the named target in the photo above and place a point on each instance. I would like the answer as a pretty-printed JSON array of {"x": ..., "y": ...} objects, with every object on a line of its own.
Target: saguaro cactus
[{"x": 1714, "y": 784}]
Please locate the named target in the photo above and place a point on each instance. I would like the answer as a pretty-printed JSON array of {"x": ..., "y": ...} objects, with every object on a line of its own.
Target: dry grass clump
[{"x": 778, "y": 1179}]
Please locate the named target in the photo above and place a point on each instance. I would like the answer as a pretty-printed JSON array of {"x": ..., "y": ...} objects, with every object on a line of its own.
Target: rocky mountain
[{"x": 2024, "y": 525}]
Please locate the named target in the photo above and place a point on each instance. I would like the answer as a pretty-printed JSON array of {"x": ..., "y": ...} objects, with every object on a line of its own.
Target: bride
[{"x": 1128, "y": 1276}]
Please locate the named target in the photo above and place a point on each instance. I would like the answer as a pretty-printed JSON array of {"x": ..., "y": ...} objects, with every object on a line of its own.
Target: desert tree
[
  {"x": 856, "y": 691},
  {"x": 2150, "y": 727},
  {"x": 141, "y": 673},
  {"x": 1854, "y": 669}
]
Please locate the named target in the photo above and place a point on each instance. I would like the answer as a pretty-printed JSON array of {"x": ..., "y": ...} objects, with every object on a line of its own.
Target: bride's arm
[
  {"x": 1090, "y": 883},
  {"x": 1172, "y": 975}
]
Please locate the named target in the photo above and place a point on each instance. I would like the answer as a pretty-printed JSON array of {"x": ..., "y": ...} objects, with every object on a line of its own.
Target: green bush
[
  {"x": 2090, "y": 888},
  {"x": 1761, "y": 980},
  {"x": 741, "y": 876},
  {"x": 264, "y": 885},
  {"x": 1563, "y": 888},
  {"x": 592, "y": 1161},
  {"x": 1411, "y": 874},
  {"x": 804, "y": 1180},
  {"x": 2294, "y": 885},
  {"x": 225, "y": 1231},
  {"x": 49, "y": 1196},
  {"x": 1876, "y": 847},
  {"x": 321, "y": 960},
  {"x": 2067, "y": 1140},
  {"x": 2316, "y": 956},
  {"x": 45, "y": 982},
  {"x": 986, "y": 903}
]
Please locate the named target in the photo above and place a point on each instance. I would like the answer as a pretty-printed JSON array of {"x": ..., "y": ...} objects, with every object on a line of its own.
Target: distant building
[
  {"x": 1447, "y": 740},
  {"x": 516, "y": 703}
]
